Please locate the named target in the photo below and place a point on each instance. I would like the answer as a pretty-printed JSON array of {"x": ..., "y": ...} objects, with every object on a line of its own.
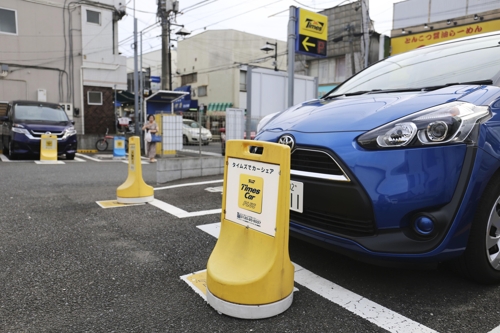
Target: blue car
[
  {"x": 25, "y": 123},
  {"x": 400, "y": 164}
]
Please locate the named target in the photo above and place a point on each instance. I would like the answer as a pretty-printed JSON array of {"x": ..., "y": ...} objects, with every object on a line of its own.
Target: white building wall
[{"x": 217, "y": 55}]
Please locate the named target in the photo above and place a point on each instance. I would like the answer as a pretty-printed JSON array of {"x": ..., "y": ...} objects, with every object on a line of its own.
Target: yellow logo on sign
[
  {"x": 313, "y": 24},
  {"x": 250, "y": 193},
  {"x": 49, "y": 144},
  {"x": 119, "y": 144}
]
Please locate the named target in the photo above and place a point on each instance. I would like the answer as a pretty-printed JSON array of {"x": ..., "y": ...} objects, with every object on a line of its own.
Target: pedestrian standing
[{"x": 152, "y": 128}]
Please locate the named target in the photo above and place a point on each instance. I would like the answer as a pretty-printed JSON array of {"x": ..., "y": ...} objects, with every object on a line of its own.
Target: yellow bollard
[
  {"x": 249, "y": 273},
  {"x": 48, "y": 147},
  {"x": 134, "y": 190}
]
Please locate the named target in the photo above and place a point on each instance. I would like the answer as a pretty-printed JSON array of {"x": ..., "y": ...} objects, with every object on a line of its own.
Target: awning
[
  {"x": 165, "y": 96},
  {"x": 124, "y": 98},
  {"x": 161, "y": 101},
  {"x": 218, "y": 106}
]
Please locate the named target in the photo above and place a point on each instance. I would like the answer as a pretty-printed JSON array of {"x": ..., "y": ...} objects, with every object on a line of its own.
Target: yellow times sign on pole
[
  {"x": 414, "y": 41},
  {"x": 311, "y": 33}
]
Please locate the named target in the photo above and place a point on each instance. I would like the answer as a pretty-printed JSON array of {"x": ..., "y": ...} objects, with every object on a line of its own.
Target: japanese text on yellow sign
[{"x": 414, "y": 41}]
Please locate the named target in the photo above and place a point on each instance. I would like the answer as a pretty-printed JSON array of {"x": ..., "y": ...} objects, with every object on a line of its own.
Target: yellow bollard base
[
  {"x": 135, "y": 200},
  {"x": 249, "y": 311}
]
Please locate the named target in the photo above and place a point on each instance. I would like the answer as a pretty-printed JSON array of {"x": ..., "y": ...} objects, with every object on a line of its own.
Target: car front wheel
[{"x": 481, "y": 259}]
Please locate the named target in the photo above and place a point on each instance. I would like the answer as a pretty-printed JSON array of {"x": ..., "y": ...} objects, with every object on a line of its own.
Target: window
[
  {"x": 8, "y": 22},
  {"x": 189, "y": 78},
  {"x": 93, "y": 17},
  {"x": 202, "y": 91},
  {"x": 243, "y": 81},
  {"x": 94, "y": 98}
]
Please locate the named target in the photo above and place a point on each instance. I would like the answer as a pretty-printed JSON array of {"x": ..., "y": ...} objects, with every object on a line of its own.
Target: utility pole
[
  {"x": 291, "y": 53},
  {"x": 350, "y": 31},
  {"x": 165, "y": 8},
  {"x": 366, "y": 30},
  {"x": 165, "y": 42}
]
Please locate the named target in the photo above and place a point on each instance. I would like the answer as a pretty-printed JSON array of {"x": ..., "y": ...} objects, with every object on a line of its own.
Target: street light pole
[{"x": 267, "y": 49}]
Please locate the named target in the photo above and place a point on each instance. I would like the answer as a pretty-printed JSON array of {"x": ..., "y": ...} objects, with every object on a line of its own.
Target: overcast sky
[{"x": 267, "y": 18}]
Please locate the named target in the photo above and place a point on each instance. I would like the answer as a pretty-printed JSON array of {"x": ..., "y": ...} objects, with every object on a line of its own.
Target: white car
[{"x": 191, "y": 133}]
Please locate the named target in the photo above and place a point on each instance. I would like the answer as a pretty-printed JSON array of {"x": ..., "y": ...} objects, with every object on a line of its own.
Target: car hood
[
  {"x": 365, "y": 112},
  {"x": 45, "y": 127}
]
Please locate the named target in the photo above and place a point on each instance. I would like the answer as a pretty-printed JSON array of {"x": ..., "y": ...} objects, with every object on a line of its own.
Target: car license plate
[{"x": 296, "y": 196}]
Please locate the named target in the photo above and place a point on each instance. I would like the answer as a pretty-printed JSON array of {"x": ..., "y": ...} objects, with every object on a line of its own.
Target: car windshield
[
  {"x": 477, "y": 59},
  {"x": 39, "y": 113},
  {"x": 191, "y": 124}
]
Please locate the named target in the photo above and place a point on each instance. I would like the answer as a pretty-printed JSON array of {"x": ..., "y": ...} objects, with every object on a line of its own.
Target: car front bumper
[{"x": 370, "y": 211}]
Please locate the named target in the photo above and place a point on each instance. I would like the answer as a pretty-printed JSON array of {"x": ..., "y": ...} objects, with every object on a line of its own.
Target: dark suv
[{"x": 25, "y": 123}]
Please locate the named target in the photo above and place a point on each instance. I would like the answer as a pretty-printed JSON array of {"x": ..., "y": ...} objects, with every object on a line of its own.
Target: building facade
[
  {"x": 213, "y": 63},
  {"x": 63, "y": 52}
]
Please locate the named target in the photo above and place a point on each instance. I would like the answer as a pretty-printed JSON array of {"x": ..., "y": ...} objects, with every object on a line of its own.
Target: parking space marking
[
  {"x": 108, "y": 159},
  {"x": 115, "y": 204},
  {"x": 357, "y": 304},
  {"x": 495, "y": 330},
  {"x": 180, "y": 213},
  {"x": 49, "y": 162},
  {"x": 6, "y": 159},
  {"x": 198, "y": 282},
  {"x": 188, "y": 184}
]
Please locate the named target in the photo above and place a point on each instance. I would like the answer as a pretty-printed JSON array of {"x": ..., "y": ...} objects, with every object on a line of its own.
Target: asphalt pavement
[{"x": 68, "y": 265}]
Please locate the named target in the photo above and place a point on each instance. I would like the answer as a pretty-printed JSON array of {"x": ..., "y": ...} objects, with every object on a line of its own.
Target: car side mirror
[{"x": 72, "y": 122}]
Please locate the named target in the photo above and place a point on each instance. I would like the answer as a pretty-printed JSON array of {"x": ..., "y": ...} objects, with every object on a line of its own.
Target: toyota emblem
[{"x": 287, "y": 140}]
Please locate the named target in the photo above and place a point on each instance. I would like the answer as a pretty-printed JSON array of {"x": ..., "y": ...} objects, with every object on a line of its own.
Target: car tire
[
  {"x": 5, "y": 149},
  {"x": 481, "y": 260},
  {"x": 12, "y": 156},
  {"x": 185, "y": 140},
  {"x": 70, "y": 157}
]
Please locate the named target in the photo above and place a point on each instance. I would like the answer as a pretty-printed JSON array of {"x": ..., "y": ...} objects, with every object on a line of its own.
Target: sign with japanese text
[
  {"x": 311, "y": 33},
  {"x": 410, "y": 42},
  {"x": 252, "y": 194}
]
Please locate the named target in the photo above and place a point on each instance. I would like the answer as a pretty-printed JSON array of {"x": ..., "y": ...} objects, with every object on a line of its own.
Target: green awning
[{"x": 221, "y": 106}]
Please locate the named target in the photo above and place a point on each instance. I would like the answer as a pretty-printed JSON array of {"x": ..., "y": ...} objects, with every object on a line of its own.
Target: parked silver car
[{"x": 191, "y": 132}]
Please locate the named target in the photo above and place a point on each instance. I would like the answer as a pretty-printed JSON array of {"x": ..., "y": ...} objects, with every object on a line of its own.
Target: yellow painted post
[
  {"x": 249, "y": 273},
  {"x": 134, "y": 190},
  {"x": 48, "y": 147},
  {"x": 159, "y": 122}
]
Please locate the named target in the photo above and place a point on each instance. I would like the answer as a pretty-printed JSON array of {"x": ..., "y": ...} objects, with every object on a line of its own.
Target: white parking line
[
  {"x": 179, "y": 212},
  {"x": 357, "y": 304},
  {"x": 495, "y": 330},
  {"x": 189, "y": 184}
]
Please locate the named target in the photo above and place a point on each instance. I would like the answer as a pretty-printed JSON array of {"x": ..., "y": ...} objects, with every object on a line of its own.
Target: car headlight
[
  {"x": 447, "y": 123},
  {"x": 69, "y": 132},
  {"x": 19, "y": 129}
]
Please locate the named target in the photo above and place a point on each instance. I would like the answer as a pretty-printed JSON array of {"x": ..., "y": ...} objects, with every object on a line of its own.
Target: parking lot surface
[{"x": 69, "y": 265}]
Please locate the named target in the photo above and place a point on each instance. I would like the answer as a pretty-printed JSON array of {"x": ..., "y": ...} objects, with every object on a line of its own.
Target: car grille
[
  {"x": 333, "y": 205},
  {"x": 314, "y": 161},
  {"x": 39, "y": 134}
]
